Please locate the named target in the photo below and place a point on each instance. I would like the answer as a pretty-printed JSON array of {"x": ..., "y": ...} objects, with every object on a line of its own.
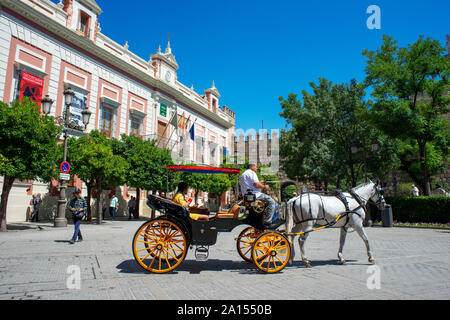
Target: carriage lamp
[
  {"x": 46, "y": 104},
  {"x": 68, "y": 96}
]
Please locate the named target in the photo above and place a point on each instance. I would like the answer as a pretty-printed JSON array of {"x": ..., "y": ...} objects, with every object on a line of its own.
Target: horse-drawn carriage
[{"x": 161, "y": 244}]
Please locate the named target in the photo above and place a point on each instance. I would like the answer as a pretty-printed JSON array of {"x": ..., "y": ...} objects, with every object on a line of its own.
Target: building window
[
  {"x": 135, "y": 126},
  {"x": 84, "y": 23},
  {"x": 199, "y": 149},
  {"x": 106, "y": 122}
]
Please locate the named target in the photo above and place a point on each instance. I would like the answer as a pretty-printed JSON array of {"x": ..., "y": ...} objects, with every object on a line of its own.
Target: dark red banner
[{"x": 31, "y": 86}]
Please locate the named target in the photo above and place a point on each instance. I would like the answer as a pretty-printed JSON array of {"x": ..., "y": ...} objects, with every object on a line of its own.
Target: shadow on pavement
[{"x": 195, "y": 267}]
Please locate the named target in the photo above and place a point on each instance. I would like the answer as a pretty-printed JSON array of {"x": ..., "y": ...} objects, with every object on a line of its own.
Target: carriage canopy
[{"x": 199, "y": 169}]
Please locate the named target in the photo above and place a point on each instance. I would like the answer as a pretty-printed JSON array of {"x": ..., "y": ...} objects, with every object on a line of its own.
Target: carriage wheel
[
  {"x": 159, "y": 245},
  {"x": 271, "y": 252},
  {"x": 245, "y": 241},
  {"x": 152, "y": 252}
]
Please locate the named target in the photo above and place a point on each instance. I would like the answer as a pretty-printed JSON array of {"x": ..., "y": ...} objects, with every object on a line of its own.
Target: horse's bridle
[{"x": 363, "y": 202}]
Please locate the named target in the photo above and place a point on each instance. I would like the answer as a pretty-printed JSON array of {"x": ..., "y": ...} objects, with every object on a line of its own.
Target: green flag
[{"x": 174, "y": 120}]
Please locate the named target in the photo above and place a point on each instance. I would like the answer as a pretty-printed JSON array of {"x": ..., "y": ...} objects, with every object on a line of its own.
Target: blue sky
[{"x": 257, "y": 51}]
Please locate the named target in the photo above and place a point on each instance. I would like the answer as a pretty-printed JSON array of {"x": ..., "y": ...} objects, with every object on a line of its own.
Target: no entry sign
[{"x": 65, "y": 167}]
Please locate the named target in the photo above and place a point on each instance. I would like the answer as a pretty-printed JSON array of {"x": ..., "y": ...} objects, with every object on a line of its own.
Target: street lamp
[
  {"x": 66, "y": 123},
  {"x": 374, "y": 147},
  {"x": 46, "y": 104}
]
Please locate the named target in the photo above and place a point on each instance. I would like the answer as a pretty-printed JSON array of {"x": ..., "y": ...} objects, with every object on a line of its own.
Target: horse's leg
[
  {"x": 291, "y": 239},
  {"x": 341, "y": 245},
  {"x": 358, "y": 225},
  {"x": 301, "y": 242}
]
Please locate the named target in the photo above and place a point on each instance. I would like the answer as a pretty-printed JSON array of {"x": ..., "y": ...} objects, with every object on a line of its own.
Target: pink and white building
[{"x": 61, "y": 45}]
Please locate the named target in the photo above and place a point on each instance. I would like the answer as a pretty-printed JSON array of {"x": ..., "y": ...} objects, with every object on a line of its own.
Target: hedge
[{"x": 416, "y": 209}]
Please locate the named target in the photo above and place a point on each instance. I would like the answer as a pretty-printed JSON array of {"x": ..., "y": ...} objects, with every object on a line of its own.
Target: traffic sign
[
  {"x": 64, "y": 176},
  {"x": 65, "y": 167}
]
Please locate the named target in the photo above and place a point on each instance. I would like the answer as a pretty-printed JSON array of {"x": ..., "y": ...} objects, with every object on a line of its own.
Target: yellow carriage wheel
[
  {"x": 159, "y": 246},
  {"x": 148, "y": 243},
  {"x": 245, "y": 241},
  {"x": 271, "y": 252}
]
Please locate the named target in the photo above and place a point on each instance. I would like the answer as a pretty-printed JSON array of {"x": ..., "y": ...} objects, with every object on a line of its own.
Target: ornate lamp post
[
  {"x": 66, "y": 123},
  {"x": 374, "y": 148}
]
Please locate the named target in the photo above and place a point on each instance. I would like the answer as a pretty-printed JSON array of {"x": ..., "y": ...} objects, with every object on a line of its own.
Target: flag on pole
[
  {"x": 182, "y": 124},
  {"x": 174, "y": 120},
  {"x": 192, "y": 132}
]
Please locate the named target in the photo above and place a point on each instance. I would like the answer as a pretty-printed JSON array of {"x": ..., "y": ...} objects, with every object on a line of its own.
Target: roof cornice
[{"x": 91, "y": 48}]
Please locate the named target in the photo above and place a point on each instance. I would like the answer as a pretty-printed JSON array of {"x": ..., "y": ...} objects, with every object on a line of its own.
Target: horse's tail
[{"x": 289, "y": 215}]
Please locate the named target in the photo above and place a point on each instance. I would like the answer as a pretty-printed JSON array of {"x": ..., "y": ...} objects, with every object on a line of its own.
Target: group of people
[
  {"x": 249, "y": 182},
  {"x": 78, "y": 206}
]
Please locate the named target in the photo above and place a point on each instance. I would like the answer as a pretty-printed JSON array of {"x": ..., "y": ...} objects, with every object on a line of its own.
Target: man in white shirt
[{"x": 249, "y": 181}]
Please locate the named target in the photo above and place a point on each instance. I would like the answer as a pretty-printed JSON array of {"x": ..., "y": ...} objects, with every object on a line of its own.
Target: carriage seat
[{"x": 233, "y": 213}]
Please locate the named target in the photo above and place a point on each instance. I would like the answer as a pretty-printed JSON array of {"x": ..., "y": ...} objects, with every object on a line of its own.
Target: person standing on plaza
[
  {"x": 113, "y": 206},
  {"x": 36, "y": 205},
  {"x": 131, "y": 207},
  {"x": 78, "y": 207}
]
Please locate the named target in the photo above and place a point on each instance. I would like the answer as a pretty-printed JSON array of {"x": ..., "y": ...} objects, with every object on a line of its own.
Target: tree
[
  {"x": 92, "y": 159},
  {"x": 147, "y": 164},
  {"x": 318, "y": 145},
  {"x": 410, "y": 89},
  {"x": 28, "y": 147}
]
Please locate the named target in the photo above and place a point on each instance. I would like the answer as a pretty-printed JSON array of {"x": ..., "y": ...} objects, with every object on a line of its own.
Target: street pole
[{"x": 60, "y": 220}]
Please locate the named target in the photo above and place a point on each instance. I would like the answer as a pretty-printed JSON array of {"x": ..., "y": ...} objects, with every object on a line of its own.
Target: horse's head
[{"x": 378, "y": 195}]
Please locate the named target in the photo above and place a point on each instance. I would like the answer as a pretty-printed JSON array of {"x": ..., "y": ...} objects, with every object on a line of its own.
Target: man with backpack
[{"x": 78, "y": 207}]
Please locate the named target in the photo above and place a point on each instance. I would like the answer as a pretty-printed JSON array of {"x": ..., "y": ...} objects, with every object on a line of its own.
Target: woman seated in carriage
[{"x": 195, "y": 212}]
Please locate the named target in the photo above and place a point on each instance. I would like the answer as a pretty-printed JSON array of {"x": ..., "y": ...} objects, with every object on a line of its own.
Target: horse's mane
[{"x": 363, "y": 185}]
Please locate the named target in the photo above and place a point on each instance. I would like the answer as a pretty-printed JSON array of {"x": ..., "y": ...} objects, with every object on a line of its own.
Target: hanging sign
[
  {"x": 31, "y": 86},
  {"x": 163, "y": 109},
  {"x": 78, "y": 105}
]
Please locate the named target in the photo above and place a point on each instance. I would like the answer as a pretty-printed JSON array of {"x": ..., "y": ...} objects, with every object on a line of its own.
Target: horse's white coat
[{"x": 318, "y": 208}]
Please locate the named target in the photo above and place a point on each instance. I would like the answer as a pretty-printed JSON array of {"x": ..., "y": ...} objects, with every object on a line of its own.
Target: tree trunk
[
  {"x": 89, "y": 196},
  {"x": 7, "y": 185},
  {"x": 138, "y": 200},
  {"x": 425, "y": 174},
  {"x": 153, "y": 210},
  {"x": 99, "y": 202}
]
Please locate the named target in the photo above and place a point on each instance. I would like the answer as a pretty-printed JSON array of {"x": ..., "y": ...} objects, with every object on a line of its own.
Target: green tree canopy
[
  {"x": 93, "y": 160},
  {"x": 318, "y": 146},
  {"x": 28, "y": 143},
  {"x": 410, "y": 90}
]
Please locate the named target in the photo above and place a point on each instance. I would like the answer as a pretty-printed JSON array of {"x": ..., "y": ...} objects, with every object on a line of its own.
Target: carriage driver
[{"x": 249, "y": 180}]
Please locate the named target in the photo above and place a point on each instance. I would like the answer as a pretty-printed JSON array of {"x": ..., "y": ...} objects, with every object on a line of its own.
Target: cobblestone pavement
[{"x": 35, "y": 264}]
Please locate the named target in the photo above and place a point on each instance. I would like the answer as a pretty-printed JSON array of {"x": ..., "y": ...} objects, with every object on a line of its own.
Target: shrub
[{"x": 417, "y": 209}]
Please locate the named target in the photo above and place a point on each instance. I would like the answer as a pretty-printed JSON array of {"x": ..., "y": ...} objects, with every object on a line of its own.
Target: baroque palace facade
[{"x": 46, "y": 47}]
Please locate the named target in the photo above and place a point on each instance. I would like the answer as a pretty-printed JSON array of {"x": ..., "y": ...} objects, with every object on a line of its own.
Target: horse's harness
[{"x": 338, "y": 194}]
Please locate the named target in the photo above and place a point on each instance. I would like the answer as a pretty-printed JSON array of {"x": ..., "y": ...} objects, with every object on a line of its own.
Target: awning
[{"x": 198, "y": 169}]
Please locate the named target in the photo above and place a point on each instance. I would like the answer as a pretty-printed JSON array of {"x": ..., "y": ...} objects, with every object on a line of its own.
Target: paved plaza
[{"x": 39, "y": 263}]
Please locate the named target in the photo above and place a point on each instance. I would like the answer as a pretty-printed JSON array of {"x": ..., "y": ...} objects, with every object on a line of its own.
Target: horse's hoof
[
  {"x": 342, "y": 262},
  {"x": 307, "y": 264},
  {"x": 372, "y": 260}
]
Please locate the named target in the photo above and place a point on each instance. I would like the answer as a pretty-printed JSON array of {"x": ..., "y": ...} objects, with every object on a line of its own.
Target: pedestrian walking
[
  {"x": 36, "y": 206},
  {"x": 113, "y": 206},
  {"x": 414, "y": 191},
  {"x": 78, "y": 207},
  {"x": 132, "y": 207}
]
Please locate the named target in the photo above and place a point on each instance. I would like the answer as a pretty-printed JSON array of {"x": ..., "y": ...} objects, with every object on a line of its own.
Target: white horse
[{"x": 309, "y": 209}]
